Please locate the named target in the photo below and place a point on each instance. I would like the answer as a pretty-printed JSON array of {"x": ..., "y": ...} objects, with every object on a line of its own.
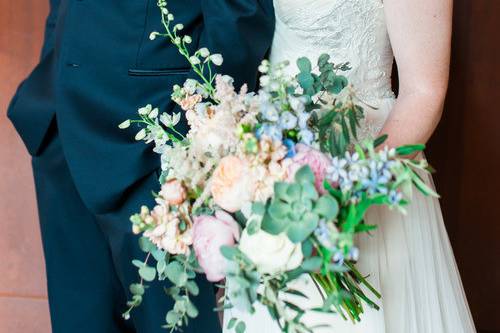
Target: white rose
[{"x": 272, "y": 254}]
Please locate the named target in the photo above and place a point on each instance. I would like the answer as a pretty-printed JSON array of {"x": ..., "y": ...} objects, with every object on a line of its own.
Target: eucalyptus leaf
[
  {"x": 147, "y": 273},
  {"x": 304, "y": 65}
]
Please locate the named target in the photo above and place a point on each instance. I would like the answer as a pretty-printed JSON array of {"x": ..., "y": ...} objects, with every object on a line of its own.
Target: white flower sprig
[{"x": 201, "y": 61}]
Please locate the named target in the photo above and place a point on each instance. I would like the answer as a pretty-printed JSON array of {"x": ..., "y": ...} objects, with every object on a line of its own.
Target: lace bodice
[{"x": 349, "y": 31}]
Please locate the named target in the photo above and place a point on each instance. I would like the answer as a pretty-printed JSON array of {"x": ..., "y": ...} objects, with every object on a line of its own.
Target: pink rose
[
  {"x": 173, "y": 192},
  {"x": 317, "y": 161},
  {"x": 231, "y": 184},
  {"x": 210, "y": 233}
]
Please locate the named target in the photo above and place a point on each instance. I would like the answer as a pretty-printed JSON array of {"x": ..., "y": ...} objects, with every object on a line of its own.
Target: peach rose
[{"x": 232, "y": 185}]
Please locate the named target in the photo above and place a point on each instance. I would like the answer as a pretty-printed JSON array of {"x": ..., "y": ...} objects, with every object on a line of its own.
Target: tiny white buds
[
  {"x": 204, "y": 52},
  {"x": 164, "y": 11},
  {"x": 170, "y": 17},
  {"x": 216, "y": 59},
  {"x": 177, "y": 40},
  {"x": 187, "y": 39},
  {"x": 178, "y": 26},
  {"x": 145, "y": 110},
  {"x": 153, "y": 35},
  {"x": 263, "y": 68},
  {"x": 264, "y": 80},
  {"x": 141, "y": 134},
  {"x": 194, "y": 60},
  {"x": 125, "y": 124},
  {"x": 153, "y": 114}
]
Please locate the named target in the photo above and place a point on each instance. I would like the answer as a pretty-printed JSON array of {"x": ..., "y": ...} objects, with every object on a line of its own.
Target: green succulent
[{"x": 297, "y": 208}]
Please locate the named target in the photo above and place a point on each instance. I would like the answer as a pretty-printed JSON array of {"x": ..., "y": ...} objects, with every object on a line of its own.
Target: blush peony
[
  {"x": 316, "y": 160},
  {"x": 209, "y": 234}
]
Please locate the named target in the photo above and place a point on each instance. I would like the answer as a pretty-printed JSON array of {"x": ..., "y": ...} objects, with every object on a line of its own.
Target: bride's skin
[{"x": 420, "y": 34}]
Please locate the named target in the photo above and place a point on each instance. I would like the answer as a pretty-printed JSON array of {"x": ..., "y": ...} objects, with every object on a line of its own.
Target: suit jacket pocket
[{"x": 158, "y": 72}]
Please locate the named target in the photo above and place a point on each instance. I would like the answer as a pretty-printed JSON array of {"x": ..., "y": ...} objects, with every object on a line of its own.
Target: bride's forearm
[{"x": 413, "y": 118}]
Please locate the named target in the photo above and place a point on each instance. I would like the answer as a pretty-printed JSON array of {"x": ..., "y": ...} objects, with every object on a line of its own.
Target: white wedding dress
[{"x": 408, "y": 258}]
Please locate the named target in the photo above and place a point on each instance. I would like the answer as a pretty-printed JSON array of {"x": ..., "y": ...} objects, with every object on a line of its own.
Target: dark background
[{"x": 464, "y": 150}]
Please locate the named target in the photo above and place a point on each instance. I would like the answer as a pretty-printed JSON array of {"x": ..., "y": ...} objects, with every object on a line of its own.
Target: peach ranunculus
[
  {"x": 232, "y": 185},
  {"x": 210, "y": 233},
  {"x": 173, "y": 192}
]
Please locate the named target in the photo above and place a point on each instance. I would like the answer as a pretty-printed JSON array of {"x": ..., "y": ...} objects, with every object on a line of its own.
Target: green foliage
[{"x": 296, "y": 208}]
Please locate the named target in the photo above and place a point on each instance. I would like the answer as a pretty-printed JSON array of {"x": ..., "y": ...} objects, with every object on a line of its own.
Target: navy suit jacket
[{"x": 98, "y": 66}]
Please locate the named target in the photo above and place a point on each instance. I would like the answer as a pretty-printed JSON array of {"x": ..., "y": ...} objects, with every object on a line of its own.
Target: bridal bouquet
[{"x": 264, "y": 188}]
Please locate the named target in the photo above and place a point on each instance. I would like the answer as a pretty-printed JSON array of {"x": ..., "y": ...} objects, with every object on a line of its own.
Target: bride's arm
[{"x": 420, "y": 33}]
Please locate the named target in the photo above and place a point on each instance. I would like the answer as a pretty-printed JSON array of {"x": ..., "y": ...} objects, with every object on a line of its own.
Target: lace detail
[{"x": 348, "y": 30}]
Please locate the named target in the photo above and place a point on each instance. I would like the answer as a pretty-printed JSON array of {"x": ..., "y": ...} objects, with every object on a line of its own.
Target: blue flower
[
  {"x": 303, "y": 119},
  {"x": 338, "y": 258},
  {"x": 306, "y": 137},
  {"x": 395, "y": 197},
  {"x": 288, "y": 121},
  {"x": 269, "y": 112},
  {"x": 378, "y": 178},
  {"x": 272, "y": 131},
  {"x": 290, "y": 145}
]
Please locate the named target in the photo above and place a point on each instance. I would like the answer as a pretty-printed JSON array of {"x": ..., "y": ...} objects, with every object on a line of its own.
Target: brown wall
[
  {"x": 464, "y": 150},
  {"x": 23, "y": 305}
]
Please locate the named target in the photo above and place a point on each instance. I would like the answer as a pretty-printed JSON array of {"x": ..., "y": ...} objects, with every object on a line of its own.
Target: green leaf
[
  {"x": 137, "y": 289},
  {"x": 278, "y": 210},
  {"x": 323, "y": 59},
  {"x": 280, "y": 191},
  {"x": 309, "y": 192},
  {"x": 147, "y": 273},
  {"x": 173, "y": 317},
  {"x": 229, "y": 252},
  {"x": 312, "y": 264},
  {"x": 304, "y": 175},
  {"x": 327, "y": 207},
  {"x": 409, "y": 149},
  {"x": 306, "y": 80},
  {"x": 307, "y": 248},
  {"x": 241, "y": 327},
  {"x": 137, "y": 263},
  {"x": 339, "y": 83},
  {"x": 191, "y": 310},
  {"x": 421, "y": 186},
  {"x": 304, "y": 65},
  {"x": 192, "y": 288},
  {"x": 146, "y": 245},
  {"x": 232, "y": 322},
  {"x": 380, "y": 140},
  {"x": 365, "y": 227},
  {"x": 272, "y": 226},
  {"x": 293, "y": 192},
  {"x": 174, "y": 270},
  {"x": 299, "y": 231}
]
